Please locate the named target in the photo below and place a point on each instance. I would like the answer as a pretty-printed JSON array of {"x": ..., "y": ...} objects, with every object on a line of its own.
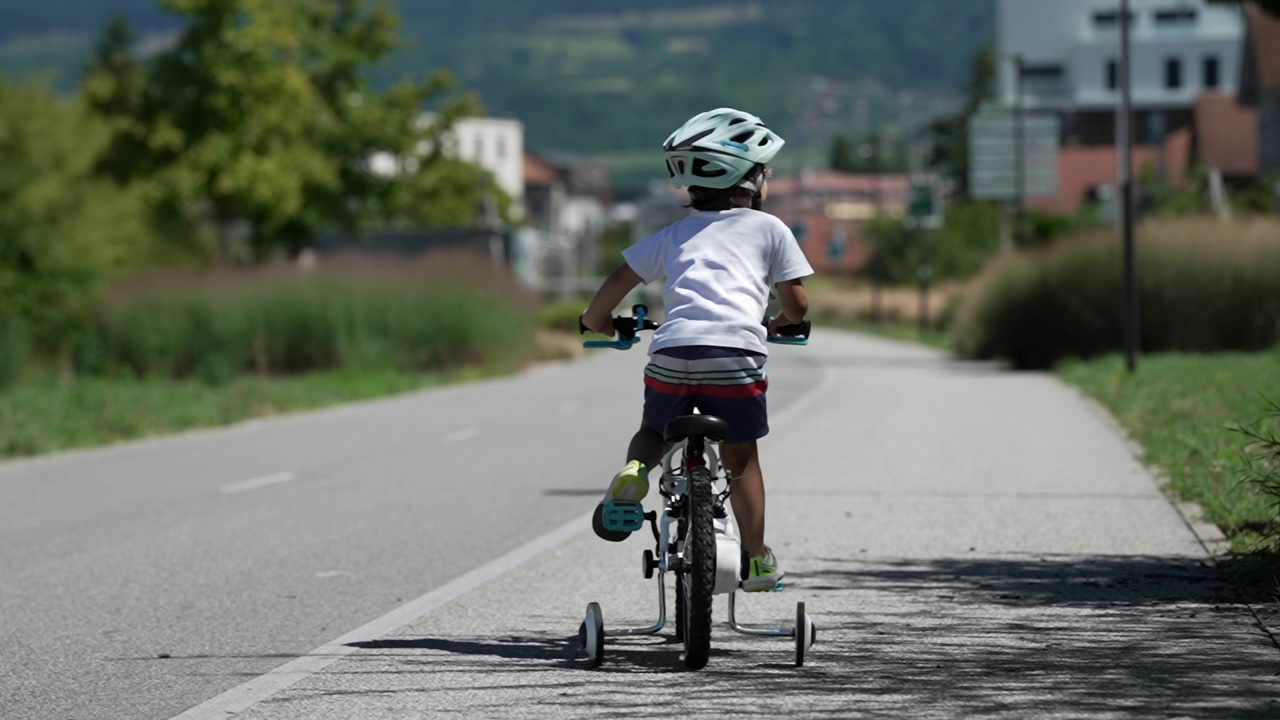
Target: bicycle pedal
[{"x": 622, "y": 516}]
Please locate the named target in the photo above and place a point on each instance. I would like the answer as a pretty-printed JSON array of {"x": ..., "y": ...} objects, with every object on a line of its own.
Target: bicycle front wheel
[{"x": 700, "y": 569}]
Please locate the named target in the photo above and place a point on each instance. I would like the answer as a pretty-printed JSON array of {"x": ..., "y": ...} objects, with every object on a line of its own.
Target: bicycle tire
[
  {"x": 700, "y": 570},
  {"x": 682, "y": 532},
  {"x": 680, "y": 618}
]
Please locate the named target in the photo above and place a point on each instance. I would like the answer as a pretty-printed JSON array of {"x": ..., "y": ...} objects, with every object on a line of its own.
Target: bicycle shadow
[{"x": 1132, "y": 637}]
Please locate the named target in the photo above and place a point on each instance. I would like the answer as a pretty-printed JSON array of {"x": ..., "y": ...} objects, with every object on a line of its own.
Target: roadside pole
[
  {"x": 1019, "y": 154},
  {"x": 1125, "y": 124},
  {"x": 926, "y": 276},
  {"x": 924, "y": 213}
]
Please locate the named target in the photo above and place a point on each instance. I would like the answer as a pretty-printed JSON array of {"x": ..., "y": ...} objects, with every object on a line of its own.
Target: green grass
[
  {"x": 1182, "y": 409},
  {"x": 44, "y": 415}
]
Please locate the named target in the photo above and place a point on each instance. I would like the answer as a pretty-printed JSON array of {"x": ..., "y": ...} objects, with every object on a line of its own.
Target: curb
[
  {"x": 1215, "y": 543},
  {"x": 1209, "y": 535}
]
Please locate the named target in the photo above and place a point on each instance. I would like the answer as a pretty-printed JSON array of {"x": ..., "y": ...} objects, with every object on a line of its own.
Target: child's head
[{"x": 721, "y": 157}]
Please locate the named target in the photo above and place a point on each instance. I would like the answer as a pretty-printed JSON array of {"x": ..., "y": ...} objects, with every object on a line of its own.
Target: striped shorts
[{"x": 725, "y": 382}]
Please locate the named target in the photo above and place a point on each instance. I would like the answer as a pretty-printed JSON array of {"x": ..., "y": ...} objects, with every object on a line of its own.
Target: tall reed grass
[
  {"x": 1204, "y": 286},
  {"x": 355, "y": 314}
]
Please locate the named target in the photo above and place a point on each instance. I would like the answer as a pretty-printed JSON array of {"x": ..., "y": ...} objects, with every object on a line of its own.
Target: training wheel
[
  {"x": 806, "y": 633},
  {"x": 649, "y": 564},
  {"x": 591, "y": 634}
]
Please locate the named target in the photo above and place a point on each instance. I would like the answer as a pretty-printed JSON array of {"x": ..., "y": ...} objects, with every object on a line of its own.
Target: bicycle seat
[{"x": 703, "y": 426}]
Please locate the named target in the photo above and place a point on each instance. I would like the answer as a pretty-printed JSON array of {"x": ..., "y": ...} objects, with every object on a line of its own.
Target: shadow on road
[{"x": 1133, "y": 637}]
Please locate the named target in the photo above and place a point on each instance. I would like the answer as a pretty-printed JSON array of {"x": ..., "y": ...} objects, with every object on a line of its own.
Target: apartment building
[{"x": 1069, "y": 52}]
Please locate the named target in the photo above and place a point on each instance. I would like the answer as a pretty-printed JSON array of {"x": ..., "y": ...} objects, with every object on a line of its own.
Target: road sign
[
  {"x": 925, "y": 203},
  {"x": 993, "y": 151}
]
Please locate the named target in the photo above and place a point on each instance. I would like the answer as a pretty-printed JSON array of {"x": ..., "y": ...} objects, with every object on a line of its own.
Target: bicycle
[{"x": 705, "y": 554}]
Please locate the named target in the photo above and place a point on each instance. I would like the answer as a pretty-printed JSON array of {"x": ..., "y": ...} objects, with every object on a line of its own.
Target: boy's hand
[
  {"x": 600, "y": 325},
  {"x": 777, "y": 322}
]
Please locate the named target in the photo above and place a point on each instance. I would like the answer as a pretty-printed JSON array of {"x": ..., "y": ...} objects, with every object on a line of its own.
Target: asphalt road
[
  {"x": 140, "y": 580},
  {"x": 971, "y": 543}
]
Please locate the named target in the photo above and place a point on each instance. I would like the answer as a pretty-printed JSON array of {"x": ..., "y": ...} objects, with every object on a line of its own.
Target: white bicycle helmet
[{"x": 718, "y": 149}]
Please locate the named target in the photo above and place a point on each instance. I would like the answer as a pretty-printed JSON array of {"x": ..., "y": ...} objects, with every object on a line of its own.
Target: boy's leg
[
  {"x": 632, "y": 482},
  {"x": 647, "y": 447},
  {"x": 743, "y": 462}
]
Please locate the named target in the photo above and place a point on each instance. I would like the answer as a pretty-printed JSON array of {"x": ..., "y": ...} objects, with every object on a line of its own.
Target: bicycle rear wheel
[{"x": 700, "y": 569}]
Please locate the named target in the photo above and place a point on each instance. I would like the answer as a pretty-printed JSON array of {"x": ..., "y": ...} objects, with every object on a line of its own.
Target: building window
[
  {"x": 1212, "y": 72},
  {"x": 1113, "y": 74},
  {"x": 1108, "y": 19},
  {"x": 1176, "y": 16},
  {"x": 1173, "y": 73},
  {"x": 1042, "y": 72}
]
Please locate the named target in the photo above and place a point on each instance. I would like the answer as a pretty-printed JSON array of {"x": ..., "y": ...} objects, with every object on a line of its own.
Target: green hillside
[{"x": 612, "y": 77}]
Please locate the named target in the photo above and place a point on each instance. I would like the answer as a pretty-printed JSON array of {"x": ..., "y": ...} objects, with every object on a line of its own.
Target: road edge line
[{"x": 247, "y": 694}]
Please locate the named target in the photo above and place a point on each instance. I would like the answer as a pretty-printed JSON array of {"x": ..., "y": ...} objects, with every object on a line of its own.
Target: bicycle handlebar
[
  {"x": 628, "y": 327},
  {"x": 797, "y": 334}
]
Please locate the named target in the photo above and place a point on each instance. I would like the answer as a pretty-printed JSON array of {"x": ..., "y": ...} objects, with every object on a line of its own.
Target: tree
[
  {"x": 873, "y": 154},
  {"x": 63, "y": 230},
  {"x": 843, "y": 155},
  {"x": 263, "y": 114},
  {"x": 951, "y": 134}
]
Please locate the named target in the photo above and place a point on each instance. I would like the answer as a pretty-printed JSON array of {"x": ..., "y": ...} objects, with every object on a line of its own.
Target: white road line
[
  {"x": 261, "y": 482},
  {"x": 242, "y": 697},
  {"x": 461, "y": 436}
]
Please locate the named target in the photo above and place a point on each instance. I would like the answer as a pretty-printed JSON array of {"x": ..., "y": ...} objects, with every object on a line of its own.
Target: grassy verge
[
  {"x": 45, "y": 415},
  {"x": 1182, "y": 409},
  {"x": 893, "y": 331}
]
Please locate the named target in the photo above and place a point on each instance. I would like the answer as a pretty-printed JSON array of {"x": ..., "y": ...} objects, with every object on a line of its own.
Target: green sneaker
[
  {"x": 763, "y": 573},
  {"x": 631, "y": 484}
]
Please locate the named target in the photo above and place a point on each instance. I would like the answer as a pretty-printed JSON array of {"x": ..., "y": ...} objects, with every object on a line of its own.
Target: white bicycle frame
[{"x": 728, "y": 545}]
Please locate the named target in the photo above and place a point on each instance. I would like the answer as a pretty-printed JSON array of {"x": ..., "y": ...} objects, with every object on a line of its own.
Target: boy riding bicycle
[{"x": 709, "y": 354}]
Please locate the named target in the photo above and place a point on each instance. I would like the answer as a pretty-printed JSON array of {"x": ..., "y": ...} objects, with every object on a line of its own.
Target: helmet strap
[{"x": 757, "y": 202}]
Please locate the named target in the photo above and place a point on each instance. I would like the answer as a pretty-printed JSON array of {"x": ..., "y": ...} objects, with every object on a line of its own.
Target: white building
[
  {"x": 1070, "y": 51},
  {"x": 495, "y": 144}
]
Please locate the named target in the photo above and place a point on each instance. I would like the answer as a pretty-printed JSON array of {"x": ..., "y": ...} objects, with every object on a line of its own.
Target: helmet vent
[
  {"x": 700, "y": 169},
  {"x": 737, "y": 121},
  {"x": 690, "y": 142},
  {"x": 743, "y": 137}
]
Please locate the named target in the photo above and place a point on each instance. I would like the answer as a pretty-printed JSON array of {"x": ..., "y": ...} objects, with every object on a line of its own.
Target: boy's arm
[
  {"x": 795, "y": 304},
  {"x": 598, "y": 317}
]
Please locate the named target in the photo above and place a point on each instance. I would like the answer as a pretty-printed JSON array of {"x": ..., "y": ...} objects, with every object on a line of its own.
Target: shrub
[
  {"x": 14, "y": 348},
  {"x": 562, "y": 316},
  {"x": 1203, "y": 286},
  {"x": 1262, "y": 459}
]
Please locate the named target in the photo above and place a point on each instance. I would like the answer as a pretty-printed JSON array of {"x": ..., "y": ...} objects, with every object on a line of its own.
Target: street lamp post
[
  {"x": 1019, "y": 154},
  {"x": 1131, "y": 320}
]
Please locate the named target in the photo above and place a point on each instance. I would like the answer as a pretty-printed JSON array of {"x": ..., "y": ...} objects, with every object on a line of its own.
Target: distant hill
[{"x": 613, "y": 77}]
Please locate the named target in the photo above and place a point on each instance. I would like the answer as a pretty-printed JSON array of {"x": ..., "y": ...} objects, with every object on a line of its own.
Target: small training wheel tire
[
  {"x": 806, "y": 633},
  {"x": 649, "y": 564},
  {"x": 591, "y": 634}
]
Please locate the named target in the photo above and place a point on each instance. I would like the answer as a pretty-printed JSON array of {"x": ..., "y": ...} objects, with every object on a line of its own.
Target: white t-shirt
[{"x": 719, "y": 267}]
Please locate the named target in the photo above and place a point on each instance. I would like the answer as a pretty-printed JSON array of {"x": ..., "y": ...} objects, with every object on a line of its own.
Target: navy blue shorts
[{"x": 725, "y": 382}]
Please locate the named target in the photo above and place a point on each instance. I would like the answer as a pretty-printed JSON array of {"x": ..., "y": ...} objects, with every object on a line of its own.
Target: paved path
[{"x": 971, "y": 543}]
